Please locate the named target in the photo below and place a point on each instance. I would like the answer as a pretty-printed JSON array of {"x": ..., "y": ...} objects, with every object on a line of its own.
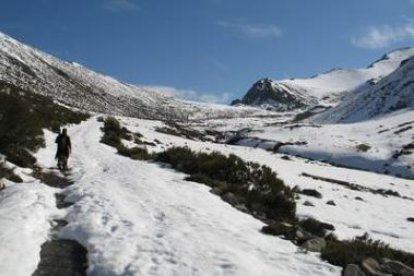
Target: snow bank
[{"x": 26, "y": 212}]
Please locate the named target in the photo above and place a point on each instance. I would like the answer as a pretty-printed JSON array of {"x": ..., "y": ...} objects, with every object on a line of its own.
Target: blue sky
[{"x": 212, "y": 50}]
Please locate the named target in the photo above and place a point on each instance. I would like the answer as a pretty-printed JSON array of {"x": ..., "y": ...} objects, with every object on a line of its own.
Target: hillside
[
  {"x": 393, "y": 92},
  {"x": 324, "y": 89},
  {"x": 75, "y": 85},
  {"x": 173, "y": 187}
]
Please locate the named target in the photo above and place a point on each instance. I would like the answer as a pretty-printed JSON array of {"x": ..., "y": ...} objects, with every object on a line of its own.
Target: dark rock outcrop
[
  {"x": 311, "y": 192},
  {"x": 353, "y": 270},
  {"x": 276, "y": 96},
  {"x": 314, "y": 245}
]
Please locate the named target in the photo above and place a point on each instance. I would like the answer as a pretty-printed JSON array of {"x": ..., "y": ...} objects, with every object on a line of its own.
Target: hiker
[{"x": 64, "y": 149}]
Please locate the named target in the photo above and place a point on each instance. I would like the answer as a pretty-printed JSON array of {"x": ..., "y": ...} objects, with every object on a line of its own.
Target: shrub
[
  {"x": 168, "y": 130},
  {"x": 363, "y": 147},
  {"x": 9, "y": 174},
  {"x": 20, "y": 157},
  {"x": 135, "y": 153},
  {"x": 202, "y": 178},
  {"x": 114, "y": 133},
  {"x": 111, "y": 129},
  {"x": 354, "y": 251},
  {"x": 258, "y": 185},
  {"x": 175, "y": 129},
  {"x": 23, "y": 117},
  {"x": 313, "y": 226}
]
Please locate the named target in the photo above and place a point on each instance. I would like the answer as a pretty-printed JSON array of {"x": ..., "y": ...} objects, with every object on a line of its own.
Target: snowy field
[
  {"x": 137, "y": 218},
  {"x": 140, "y": 218},
  {"x": 382, "y": 217},
  {"x": 341, "y": 143}
]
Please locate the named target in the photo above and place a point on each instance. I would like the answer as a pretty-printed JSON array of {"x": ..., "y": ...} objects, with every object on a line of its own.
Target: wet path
[{"x": 60, "y": 257}]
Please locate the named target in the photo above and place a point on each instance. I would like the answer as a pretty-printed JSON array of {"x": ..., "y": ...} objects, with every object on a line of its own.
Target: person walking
[{"x": 64, "y": 149}]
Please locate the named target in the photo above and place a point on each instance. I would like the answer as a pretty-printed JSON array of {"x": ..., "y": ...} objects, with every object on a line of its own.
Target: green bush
[
  {"x": 168, "y": 130},
  {"x": 313, "y": 226},
  {"x": 175, "y": 129},
  {"x": 258, "y": 185},
  {"x": 202, "y": 178},
  {"x": 9, "y": 174},
  {"x": 135, "y": 153},
  {"x": 111, "y": 129},
  {"x": 20, "y": 156},
  {"x": 112, "y": 124},
  {"x": 114, "y": 133},
  {"x": 23, "y": 115},
  {"x": 354, "y": 251}
]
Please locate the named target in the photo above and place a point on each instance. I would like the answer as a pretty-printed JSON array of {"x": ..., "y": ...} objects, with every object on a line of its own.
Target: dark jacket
[{"x": 64, "y": 145}]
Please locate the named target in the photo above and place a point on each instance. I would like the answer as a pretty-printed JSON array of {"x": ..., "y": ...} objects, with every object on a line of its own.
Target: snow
[
  {"x": 389, "y": 94},
  {"x": 337, "y": 143},
  {"x": 77, "y": 86},
  {"x": 382, "y": 217},
  {"x": 326, "y": 89},
  {"x": 26, "y": 211},
  {"x": 142, "y": 218},
  {"x": 138, "y": 218},
  {"x": 345, "y": 80}
]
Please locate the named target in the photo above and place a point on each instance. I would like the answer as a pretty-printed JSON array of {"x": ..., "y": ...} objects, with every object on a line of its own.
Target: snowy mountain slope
[
  {"x": 273, "y": 95},
  {"x": 393, "y": 92},
  {"x": 325, "y": 88},
  {"x": 140, "y": 218},
  {"x": 76, "y": 86},
  {"x": 137, "y": 218},
  {"x": 340, "y": 80}
]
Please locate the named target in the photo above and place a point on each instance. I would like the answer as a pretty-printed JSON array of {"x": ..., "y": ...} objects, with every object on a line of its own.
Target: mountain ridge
[
  {"x": 77, "y": 86},
  {"x": 391, "y": 93},
  {"x": 323, "y": 89}
]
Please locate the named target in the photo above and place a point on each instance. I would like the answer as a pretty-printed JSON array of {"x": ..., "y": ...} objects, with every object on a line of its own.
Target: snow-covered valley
[
  {"x": 142, "y": 218},
  {"x": 137, "y": 218},
  {"x": 383, "y": 144},
  {"x": 347, "y": 137}
]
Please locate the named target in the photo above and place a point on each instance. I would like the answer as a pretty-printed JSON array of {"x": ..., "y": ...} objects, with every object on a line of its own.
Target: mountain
[
  {"x": 139, "y": 207},
  {"x": 324, "y": 89},
  {"x": 273, "y": 95},
  {"x": 70, "y": 83},
  {"x": 393, "y": 92},
  {"x": 74, "y": 85}
]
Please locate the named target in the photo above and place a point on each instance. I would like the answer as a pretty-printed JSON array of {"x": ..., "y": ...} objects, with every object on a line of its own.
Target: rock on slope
[{"x": 326, "y": 89}]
